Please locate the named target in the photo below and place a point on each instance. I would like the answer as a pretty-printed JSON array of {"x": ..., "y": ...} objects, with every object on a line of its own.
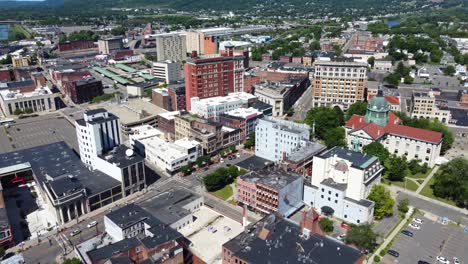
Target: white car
[
  {"x": 456, "y": 260},
  {"x": 414, "y": 226},
  {"x": 443, "y": 260},
  {"x": 418, "y": 220},
  {"x": 91, "y": 224},
  {"x": 341, "y": 237}
]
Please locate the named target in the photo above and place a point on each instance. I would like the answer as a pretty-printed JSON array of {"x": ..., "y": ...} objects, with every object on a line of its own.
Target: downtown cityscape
[{"x": 233, "y": 132}]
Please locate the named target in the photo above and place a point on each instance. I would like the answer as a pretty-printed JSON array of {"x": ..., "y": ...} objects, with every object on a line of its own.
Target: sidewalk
[
  {"x": 392, "y": 235},
  {"x": 428, "y": 178},
  {"x": 43, "y": 239}
]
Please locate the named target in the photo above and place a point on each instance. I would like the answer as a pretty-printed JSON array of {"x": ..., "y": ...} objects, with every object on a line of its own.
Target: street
[{"x": 303, "y": 105}]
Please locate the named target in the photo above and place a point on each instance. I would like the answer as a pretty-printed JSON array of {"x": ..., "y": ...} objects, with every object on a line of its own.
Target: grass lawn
[
  {"x": 419, "y": 175},
  {"x": 427, "y": 191},
  {"x": 410, "y": 185},
  {"x": 420, "y": 181},
  {"x": 224, "y": 193},
  {"x": 17, "y": 32}
]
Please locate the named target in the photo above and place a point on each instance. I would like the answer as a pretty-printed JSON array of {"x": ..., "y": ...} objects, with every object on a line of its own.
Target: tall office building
[
  {"x": 98, "y": 132},
  {"x": 109, "y": 44},
  {"x": 339, "y": 82},
  {"x": 213, "y": 75},
  {"x": 171, "y": 47}
]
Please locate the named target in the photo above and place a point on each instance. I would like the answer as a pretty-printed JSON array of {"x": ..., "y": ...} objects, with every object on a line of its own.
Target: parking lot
[
  {"x": 36, "y": 131},
  {"x": 432, "y": 240}
]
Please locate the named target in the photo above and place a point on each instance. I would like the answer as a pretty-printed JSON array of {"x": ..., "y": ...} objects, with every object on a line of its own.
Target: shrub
[{"x": 377, "y": 259}]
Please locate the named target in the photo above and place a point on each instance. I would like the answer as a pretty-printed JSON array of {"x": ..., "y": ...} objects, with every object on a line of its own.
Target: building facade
[
  {"x": 97, "y": 133},
  {"x": 214, "y": 106},
  {"x": 16, "y": 102},
  {"x": 340, "y": 83},
  {"x": 270, "y": 191},
  {"x": 213, "y": 75},
  {"x": 381, "y": 125},
  {"x": 281, "y": 95},
  {"x": 424, "y": 105},
  {"x": 83, "y": 90},
  {"x": 167, "y": 71},
  {"x": 341, "y": 181},
  {"x": 171, "y": 47},
  {"x": 275, "y": 137},
  {"x": 110, "y": 44}
]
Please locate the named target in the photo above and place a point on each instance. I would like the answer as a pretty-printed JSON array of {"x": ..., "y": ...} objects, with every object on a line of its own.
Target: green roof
[
  {"x": 111, "y": 75},
  {"x": 125, "y": 68}
]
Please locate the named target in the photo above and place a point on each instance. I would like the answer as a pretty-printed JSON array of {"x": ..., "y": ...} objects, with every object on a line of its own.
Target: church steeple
[{"x": 377, "y": 109}]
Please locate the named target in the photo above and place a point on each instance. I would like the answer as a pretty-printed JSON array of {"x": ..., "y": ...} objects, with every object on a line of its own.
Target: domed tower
[{"x": 377, "y": 109}]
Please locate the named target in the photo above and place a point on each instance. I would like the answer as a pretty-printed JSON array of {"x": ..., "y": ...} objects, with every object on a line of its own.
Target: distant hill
[{"x": 5, "y": 4}]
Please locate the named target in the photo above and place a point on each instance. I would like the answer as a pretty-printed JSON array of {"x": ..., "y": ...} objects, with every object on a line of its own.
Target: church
[{"x": 383, "y": 126}]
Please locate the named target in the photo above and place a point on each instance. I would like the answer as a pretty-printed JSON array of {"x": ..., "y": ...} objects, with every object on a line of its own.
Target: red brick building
[
  {"x": 249, "y": 82},
  {"x": 213, "y": 75},
  {"x": 5, "y": 75},
  {"x": 76, "y": 45},
  {"x": 177, "y": 94},
  {"x": 83, "y": 90},
  {"x": 210, "y": 45}
]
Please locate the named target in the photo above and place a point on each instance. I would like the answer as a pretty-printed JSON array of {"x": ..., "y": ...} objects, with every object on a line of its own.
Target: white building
[
  {"x": 97, "y": 133},
  {"x": 214, "y": 106},
  {"x": 341, "y": 181},
  {"x": 167, "y": 71},
  {"x": 171, "y": 47},
  {"x": 40, "y": 100},
  {"x": 381, "y": 125},
  {"x": 383, "y": 65},
  {"x": 275, "y": 137},
  {"x": 168, "y": 156}
]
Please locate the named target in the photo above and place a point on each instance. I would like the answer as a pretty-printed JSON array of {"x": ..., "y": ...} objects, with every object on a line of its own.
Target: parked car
[
  {"x": 456, "y": 260},
  {"x": 418, "y": 220},
  {"x": 423, "y": 262},
  {"x": 408, "y": 233},
  {"x": 91, "y": 224},
  {"x": 75, "y": 232},
  {"x": 443, "y": 260},
  {"x": 341, "y": 237},
  {"x": 414, "y": 226},
  {"x": 393, "y": 253}
]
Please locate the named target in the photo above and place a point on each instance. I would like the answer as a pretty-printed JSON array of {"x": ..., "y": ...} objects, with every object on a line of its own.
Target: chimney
[
  {"x": 194, "y": 54},
  {"x": 229, "y": 49},
  {"x": 378, "y": 132}
]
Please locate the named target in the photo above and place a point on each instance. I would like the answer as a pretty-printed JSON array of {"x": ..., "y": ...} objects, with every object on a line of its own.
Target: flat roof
[
  {"x": 271, "y": 177},
  {"x": 169, "y": 206},
  {"x": 278, "y": 240},
  {"x": 58, "y": 165},
  {"x": 128, "y": 112},
  {"x": 254, "y": 163},
  {"x": 358, "y": 159},
  {"x": 118, "y": 156},
  {"x": 14, "y": 95},
  {"x": 305, "y": 151}
]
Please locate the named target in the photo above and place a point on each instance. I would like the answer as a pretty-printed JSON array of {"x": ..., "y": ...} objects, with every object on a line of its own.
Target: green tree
[
  {"x": 395, "y": 168},
  {"x": 335, "y": 137},
  {"x": 6, "y": 60},
  {"x": 118, "y": 31},
  {"x": 436, "y": 55},
  {"x": 186, "y": 169},
  {"x": 403, "y": 205},
  {"x": 362, "y": 236},
  {"x": 408, "y": 79},
  {"x": 358, "y": 108},
  {"x": 326, "y": 224},
  {"x": 449, "y": 70},
  {"x": 28, "y": 111},
  {"x": 414, "y": 166},
  {"x": 371, "y": 61},
  {"x": 451, "y": 182},
  {"x": 290, "y": 111},
  {"x": 378, "y": 150},
  {"x": 203, "y": 160},
  {"x": 393, "y": 79},
  {"x": 250, "y": 142},
  {"x": 383, "y": 201},
  {"x": 325, "y": 118},
  {"x": 18, "y": 111},
  {"x": 315, "y": 45},
  {"x": 72, "y": 261}
]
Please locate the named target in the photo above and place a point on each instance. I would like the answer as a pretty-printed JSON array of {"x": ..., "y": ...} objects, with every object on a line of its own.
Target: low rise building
[
  {"x": 381, "y": 125},
  {"x": 166, "y": 123},
  {"x": 425, "y": 105},
  {"x": 76, "y": 45},
  {"x": 282, "y": 95},
  {"x": 383, "y": 65},
  {"x": 177, "y": 94},
  {"x": 20, "y": 61},
  {"x": 169, "y": 156},
  {"x": 109, "y": 44},
  {"x": 301, "y": 158},
  {"x": 244, "y": 119},
  {"x": 275, "y": 239},
  {"x": 271, "y": 191},
  {"x": 15, "y": 102},
  {"x": 139, "y": 89},
  {"x": 83, "y": 90},
  {"x": 275, "y": 138},
  {"x": 341, "y": 181},
  {"x": 214, "y": 106}
]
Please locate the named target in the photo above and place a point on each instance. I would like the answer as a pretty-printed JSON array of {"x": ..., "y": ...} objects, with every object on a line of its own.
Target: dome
[{"x": 377, "y": 109}]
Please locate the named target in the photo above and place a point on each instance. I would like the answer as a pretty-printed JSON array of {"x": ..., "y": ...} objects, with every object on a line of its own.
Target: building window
[
  {"x": 323, "y": 189},
  {"x": 321, "y": 196},
  {"x": 336, "y": 194},
  {"x": 345, "y": 216},
  {"x": 336, "y": 201},
  {"x": 329, "y": 192},
  {"x": 358, "y": 221},
  {"x": 329, "y": 199}
]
